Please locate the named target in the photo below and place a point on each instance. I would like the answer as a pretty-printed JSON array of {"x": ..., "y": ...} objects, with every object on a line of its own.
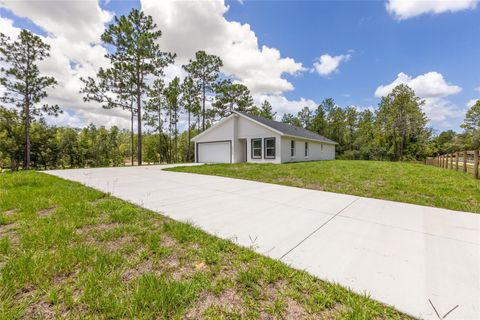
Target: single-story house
[{"x": 243, "y": 137}]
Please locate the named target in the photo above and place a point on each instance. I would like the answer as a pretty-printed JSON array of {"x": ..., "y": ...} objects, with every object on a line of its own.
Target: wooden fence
[{"x": 466, "y": 161}]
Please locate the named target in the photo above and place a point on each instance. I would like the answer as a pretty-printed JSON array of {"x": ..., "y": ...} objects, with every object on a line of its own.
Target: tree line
[
  {"x": 135, "y": 82},
  {"x": 397, "y": 130},
  {"x": 62, "y": 147}
]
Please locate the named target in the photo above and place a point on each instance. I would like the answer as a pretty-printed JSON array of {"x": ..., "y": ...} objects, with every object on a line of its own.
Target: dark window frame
[
  {"x": 265, "y": 148},
  {"x": 251, "y": 148},
  {"x": 293, "y": 149},
  {"x": 307, "y": 149}
]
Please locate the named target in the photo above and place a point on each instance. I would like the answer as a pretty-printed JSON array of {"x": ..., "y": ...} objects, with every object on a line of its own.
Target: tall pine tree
[
  {"x": 23, "y": 83},
  {"x": 204, "y": 70},
  {"x": 135, "y": 61}
]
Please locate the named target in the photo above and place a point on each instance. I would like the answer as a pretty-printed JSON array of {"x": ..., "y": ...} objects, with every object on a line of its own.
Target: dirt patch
[
  {"x": 93, "y": 228},
  {"x": 143, "y": 267},
  {"x": 229, "y": 300},
  {"x": 6, "y": 228},
  {"x": 45, "y": 212},
  {"x": 61, "y": 278},
  {"x": 9, "y": 231},
  {"x": 294, "y": 310},
  {"x": 333, "y": 313},
  {"x": 10, "y": 212},
  {"x": 26, "y": 292},
  {"x": 272, "y": 290},
  {"x": 290, "y": 181},
  {"x": 43, "y": 310},
  {"x": 168, "y": 241},
  {"x": 118, "y": 243},
  {"x": 315, "y": 186}
]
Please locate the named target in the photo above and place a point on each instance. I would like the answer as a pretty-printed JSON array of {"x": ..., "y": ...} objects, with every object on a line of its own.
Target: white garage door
[{"x": 214, "y": 152}]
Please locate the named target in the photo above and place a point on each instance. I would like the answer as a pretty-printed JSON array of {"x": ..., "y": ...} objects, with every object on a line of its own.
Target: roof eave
[{"x": 315, "y": 140}]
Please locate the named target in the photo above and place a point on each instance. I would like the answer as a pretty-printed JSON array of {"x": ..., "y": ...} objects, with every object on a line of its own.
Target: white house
[{"x": 242, "y": 137}]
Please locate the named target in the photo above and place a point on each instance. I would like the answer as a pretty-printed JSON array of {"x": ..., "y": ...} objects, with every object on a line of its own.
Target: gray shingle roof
[{"x": 287, "y": 129}]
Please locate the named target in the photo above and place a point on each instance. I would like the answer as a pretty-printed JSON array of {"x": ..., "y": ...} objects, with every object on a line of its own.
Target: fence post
[
  {"x": 465, "y": 156},
  {"x": 451, "y": 161},
  {"x": 456, "y": 160},
  {"x": 475, "y": 163}
]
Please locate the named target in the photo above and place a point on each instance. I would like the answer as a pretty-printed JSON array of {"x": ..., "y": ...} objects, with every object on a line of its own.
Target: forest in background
[{"x": 135, "y": 82}]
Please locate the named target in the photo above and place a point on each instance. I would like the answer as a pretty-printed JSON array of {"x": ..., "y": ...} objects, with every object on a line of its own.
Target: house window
[
  {"x": 256, "y": 148},
  {"x": 306, "y": 149},
  {"x": 269, "y": 148},
  {"x": 292, "y": 148}
]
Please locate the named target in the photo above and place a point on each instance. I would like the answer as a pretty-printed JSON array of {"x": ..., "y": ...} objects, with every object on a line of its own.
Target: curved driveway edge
[{"x": 407, "y": 256}]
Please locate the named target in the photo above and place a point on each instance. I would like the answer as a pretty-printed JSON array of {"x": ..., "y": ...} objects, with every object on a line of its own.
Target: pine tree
[
  {"x": 23, "y": 83},
  {"x": 231, "y": 96},
  {"x": 191, "y": 102},
  {"x": 135, "y": 61},
  {"x": 204, "y": 70}
]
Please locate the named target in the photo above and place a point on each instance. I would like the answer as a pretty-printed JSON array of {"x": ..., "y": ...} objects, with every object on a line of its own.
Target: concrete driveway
[{"x": 404, "y": 255}]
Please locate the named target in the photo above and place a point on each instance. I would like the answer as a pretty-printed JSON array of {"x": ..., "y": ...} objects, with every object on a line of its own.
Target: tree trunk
[
  {"x": 175, "y": 137},
  {"x": 139, "y": 129},
  {"x": 203, "y": 106},
  {"x": 159, "y": 135},
  {"x": 26, "y": 160},
  {"x": 131, "y": 137},
  {"x": 188, "y": 152}
]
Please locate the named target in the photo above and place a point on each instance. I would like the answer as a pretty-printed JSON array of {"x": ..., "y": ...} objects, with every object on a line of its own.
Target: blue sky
[
  {"x": 383, "y": 46},
  {"x": 434, "y": 44}
]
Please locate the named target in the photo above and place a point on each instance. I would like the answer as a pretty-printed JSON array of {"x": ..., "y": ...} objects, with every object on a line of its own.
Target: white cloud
[
  {"x": 74, "y": 20},
  {"x": 327, "y": 64},
  {"x": 477, "y": 89},
  {"x": 442, "y": 112},
  {"x": 427, "y": 85},
  {"x": 75, "y": 52},
  {"x": 405, "y": 9},
  {"x": 7, "y": 28},
  {"x": 189, "y": 26},
  {"x": 432, "y": 88}
]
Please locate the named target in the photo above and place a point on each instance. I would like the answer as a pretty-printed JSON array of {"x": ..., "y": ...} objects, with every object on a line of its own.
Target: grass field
[
  {"x": 72, "y": 252},
  {"x": 404, "y": 182}
]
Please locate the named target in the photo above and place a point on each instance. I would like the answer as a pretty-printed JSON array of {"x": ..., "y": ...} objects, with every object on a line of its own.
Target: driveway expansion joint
[{"x": 320, "y": 227}]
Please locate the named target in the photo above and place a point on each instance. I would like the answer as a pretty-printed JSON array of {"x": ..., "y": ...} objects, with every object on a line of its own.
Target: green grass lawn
[
  {"x": 404, "y": 182},
  {"x": 73, "y": 252}
]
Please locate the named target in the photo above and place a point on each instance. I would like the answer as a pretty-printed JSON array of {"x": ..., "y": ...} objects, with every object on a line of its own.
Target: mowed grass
[
  {"x": 68, "y": 251},
  {"x": 404, "y": 182}
]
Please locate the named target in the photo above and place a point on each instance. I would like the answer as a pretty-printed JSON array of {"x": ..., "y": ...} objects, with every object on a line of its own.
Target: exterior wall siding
[
  {"x": 317, "y": 150},
  {"x": 223, "y": 131},
  {"x": 249, "y": 130}
]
